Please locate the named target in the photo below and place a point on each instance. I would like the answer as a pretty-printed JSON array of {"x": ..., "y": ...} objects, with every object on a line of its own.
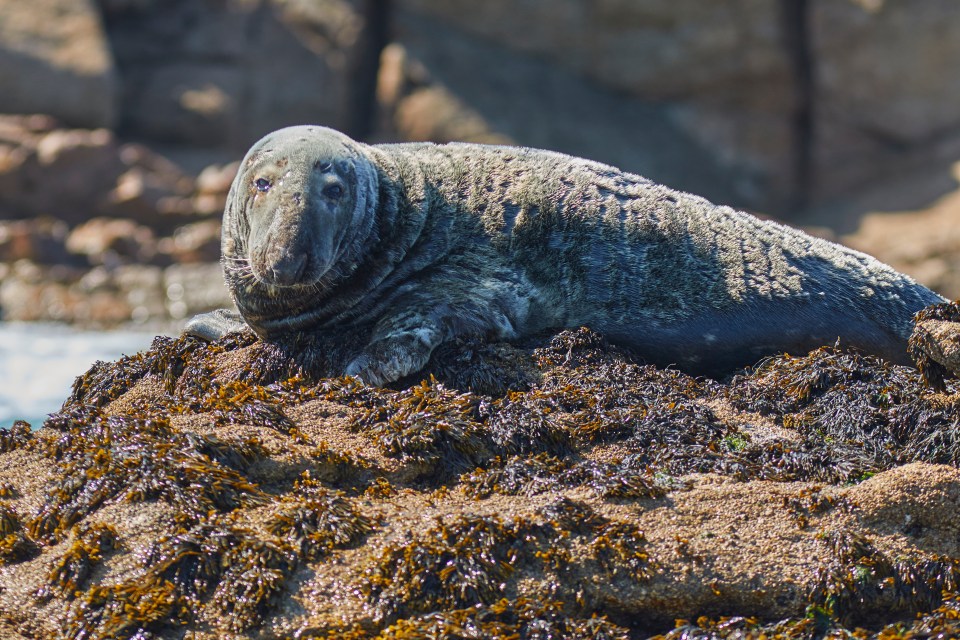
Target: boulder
[
  {"x": 112, "y": 241},
  {"x": 887, "y": 91},
  {"x": 37, "y": 240},
  {"x": 76, "y": 174},
  {"x": 801, "y": 102},
  {"x": 439, "y": 83},
  {"x": 55, "y": 59},
  {"x": 718, "y": 76},
  {"x": 225, "y": 73},
  {"x": 193, "y": 243},
  {"x": 553, "y": 489}
]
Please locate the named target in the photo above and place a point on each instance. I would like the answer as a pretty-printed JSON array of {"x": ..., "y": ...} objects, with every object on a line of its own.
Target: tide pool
[{"x": 39, "y": 362}]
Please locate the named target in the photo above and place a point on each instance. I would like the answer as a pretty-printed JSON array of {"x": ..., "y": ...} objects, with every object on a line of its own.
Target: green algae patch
[{"x": 554, "y": 488}]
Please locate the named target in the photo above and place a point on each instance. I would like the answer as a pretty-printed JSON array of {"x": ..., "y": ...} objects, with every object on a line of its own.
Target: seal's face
[{"x": 297, "y": 196}]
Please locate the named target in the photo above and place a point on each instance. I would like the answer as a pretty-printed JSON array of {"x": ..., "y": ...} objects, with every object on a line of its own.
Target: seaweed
[
  {"x": 123, "y": 458},
  {"x": 318, "y": 520},
  {"x": 619, "y": 549},
  {"x": 450, "y": 565},
  {"x": 88, "y": 545},
  {"x": 471, "y": 364},
  {"x": 516, "y": 476},
  {"x": 625, "y": 479},
  {"x": 15, "y": 544},
  {"x": 126, "y": 610},
  {"x": 568, "y": 413},
  {"x": 18, "y": 436},
  {"x": 239, "y": 572},
  {"x": 855, "y": 415},
  {"x": 255, "y": 573},
  {"x": 431, "y": 427},
  {"x": 505, "y": 620},
  {"x": 336, "y": 468}
]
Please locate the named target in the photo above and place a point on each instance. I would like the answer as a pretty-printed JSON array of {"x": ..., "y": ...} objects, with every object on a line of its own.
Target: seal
[{"x": 422, "y": 243}]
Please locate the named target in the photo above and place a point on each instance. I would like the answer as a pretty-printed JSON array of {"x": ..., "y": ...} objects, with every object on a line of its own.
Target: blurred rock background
[{"x": 125, "y": 119}]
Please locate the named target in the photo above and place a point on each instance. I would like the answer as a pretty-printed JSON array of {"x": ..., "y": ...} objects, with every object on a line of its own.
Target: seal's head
[{"x": 302, "y": 198}]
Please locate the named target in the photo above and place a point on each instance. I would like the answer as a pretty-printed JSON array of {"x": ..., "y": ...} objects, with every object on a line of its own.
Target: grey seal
[{"x": 422, "y": 243}]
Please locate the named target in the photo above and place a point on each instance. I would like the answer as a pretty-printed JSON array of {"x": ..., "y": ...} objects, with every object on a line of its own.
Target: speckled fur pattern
[{"x": 429, "y": 242}]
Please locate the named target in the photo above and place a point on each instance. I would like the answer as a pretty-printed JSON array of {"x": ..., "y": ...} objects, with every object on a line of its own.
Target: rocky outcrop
[
  {"x": 771, "y": 105},
  {"x": 54, "y": 59},
  {"x": 216, "y": 73},
  {"x": 798, "y": 101},
  {"x": 440, "y": 84},
  {"x": 557, "y": 488},
  {"x": 886, "y": 97}
]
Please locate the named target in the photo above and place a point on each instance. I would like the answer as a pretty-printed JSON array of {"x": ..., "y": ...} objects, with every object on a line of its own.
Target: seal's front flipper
[
  {"x": 391, "y": 357},
  {"x": 214, "y": 325}
]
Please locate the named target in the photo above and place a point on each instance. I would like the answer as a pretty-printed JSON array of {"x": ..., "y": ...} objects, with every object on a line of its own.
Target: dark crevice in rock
[
  {"x": 796, "y": 20},
  {"x": 361, "y": 116}
]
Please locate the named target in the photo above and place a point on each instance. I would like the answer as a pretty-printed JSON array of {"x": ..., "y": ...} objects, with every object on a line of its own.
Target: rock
[
  {"x": 800, "y": 101},
  {"x": 143, "y": 291},
  {"x": 441, "y": 84},
  {"x": 76, "y": 174},
  {"x": 720, "y": 76},
  {"x": 110, "y": 294},
  {"x": 194, "y": 243},
  {"x": 112, "y": 241},
  {"x": 921, "y": 241},
  {"x": 34, "y": 240},
  {"x": 212, "y": 186},
  {"x": 61, "y": 173},
  {"x": 55, "y": 59},
  {"x": 225, "y": 73},
  {"x": 886, "y": 90},
  {"x": 590, "y": 496},
  {"x": 688, "y": 50},
  {"x": 34, "y": 293},
  {"x": 216, "y": 179}
]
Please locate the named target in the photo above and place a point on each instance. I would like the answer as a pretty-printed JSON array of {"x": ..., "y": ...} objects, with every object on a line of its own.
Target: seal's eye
[
  {"x": 263, "y": 185},
  {"x": 333, "y": 191}
]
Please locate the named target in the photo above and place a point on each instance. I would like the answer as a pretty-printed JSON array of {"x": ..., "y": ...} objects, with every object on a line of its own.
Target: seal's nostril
[{"x": 288, "y": 270}]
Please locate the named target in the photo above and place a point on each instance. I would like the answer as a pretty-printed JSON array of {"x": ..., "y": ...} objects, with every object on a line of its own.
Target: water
[{"x": 38, "y": 363}]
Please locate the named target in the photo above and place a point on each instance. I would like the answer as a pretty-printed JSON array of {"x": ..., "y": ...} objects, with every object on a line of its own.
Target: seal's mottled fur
[{"x": 426, "y": 242}]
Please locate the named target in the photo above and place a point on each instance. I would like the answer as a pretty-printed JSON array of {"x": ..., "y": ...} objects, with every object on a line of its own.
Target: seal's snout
[{"x": 288, "y": 270}]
